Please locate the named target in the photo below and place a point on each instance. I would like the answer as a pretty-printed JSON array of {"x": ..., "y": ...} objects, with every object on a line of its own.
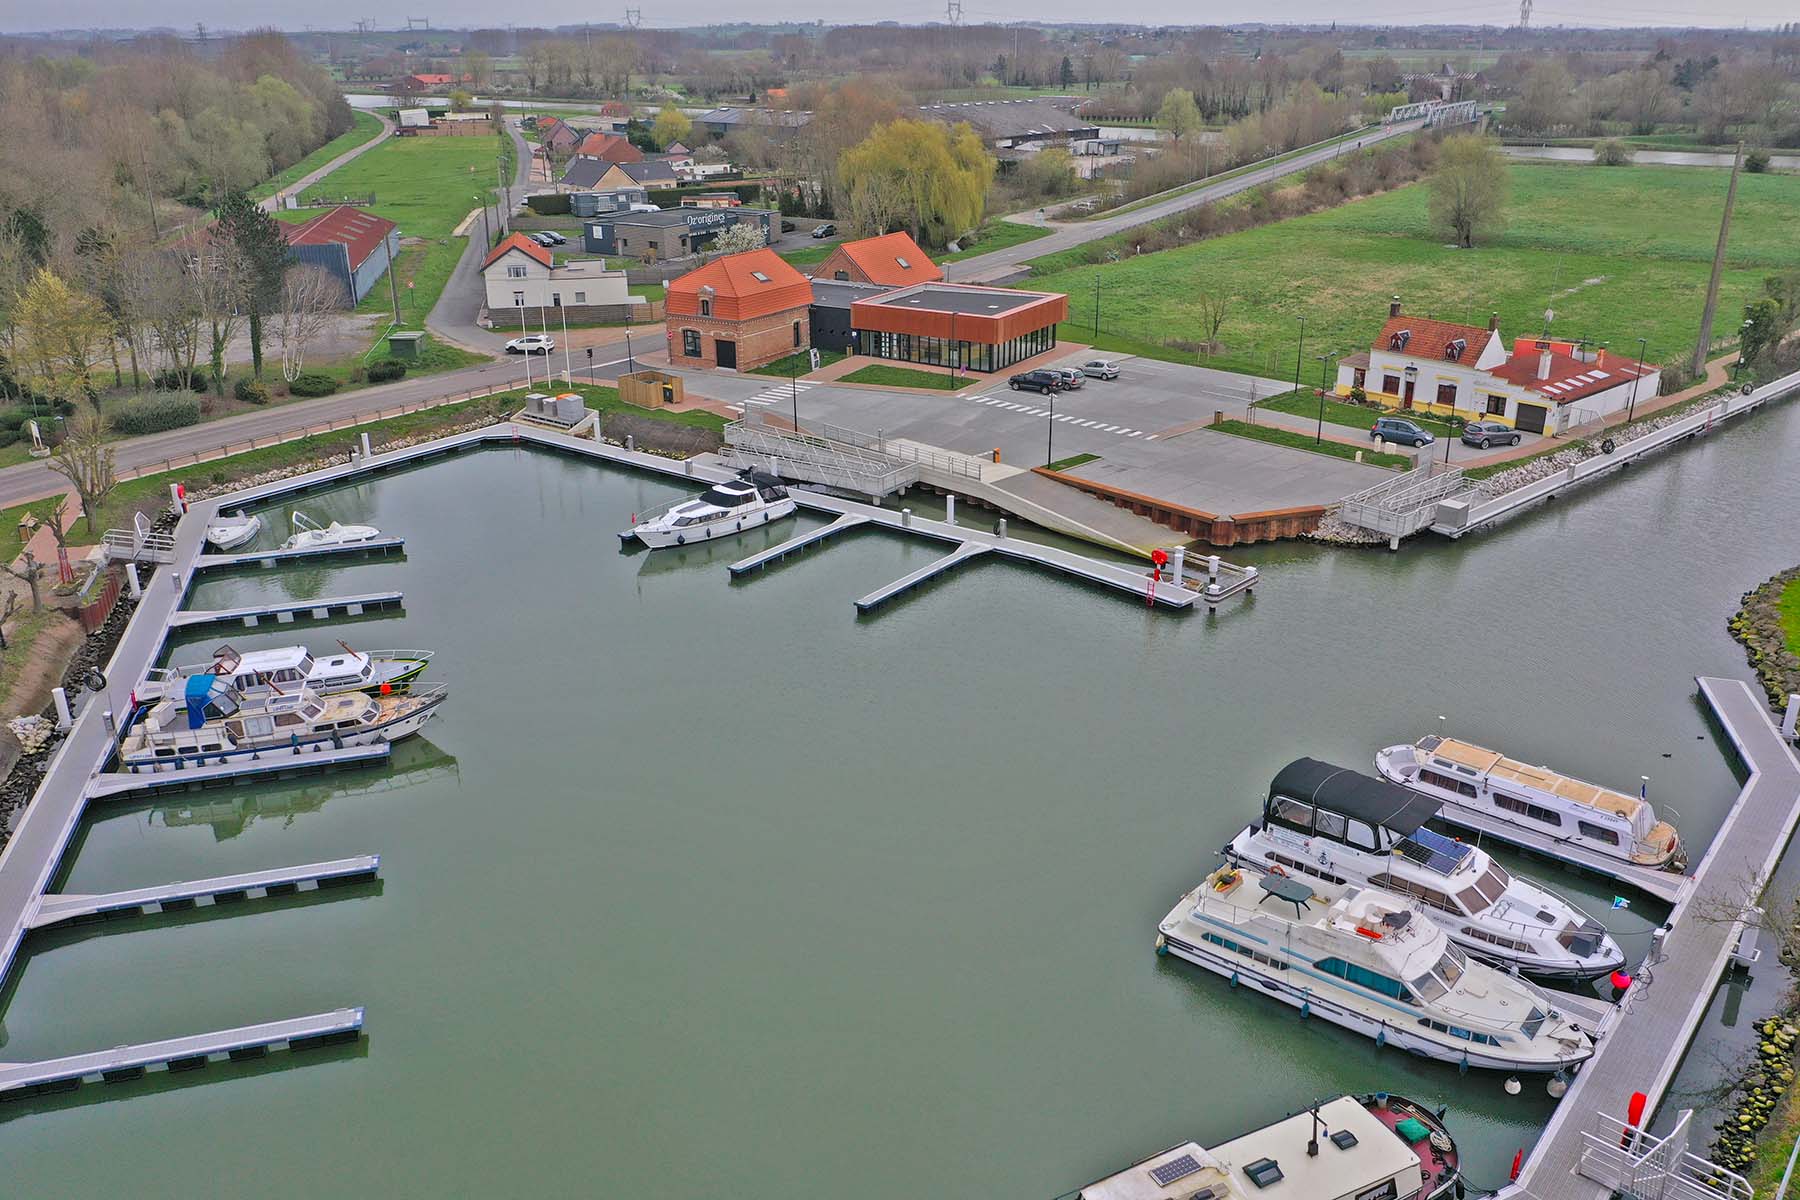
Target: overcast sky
[{"x": 17, "y": 15}]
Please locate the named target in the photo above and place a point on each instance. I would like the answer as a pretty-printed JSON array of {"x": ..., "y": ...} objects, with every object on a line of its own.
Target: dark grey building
[
  {"x": 829, "y": 315},
  {"x": 668, "y": 232}
]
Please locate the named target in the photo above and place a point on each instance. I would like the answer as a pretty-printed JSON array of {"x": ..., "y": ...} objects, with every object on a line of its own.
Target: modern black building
[
  {"x": 829, "y": 315},
  {"x": 668, "y": 232}
]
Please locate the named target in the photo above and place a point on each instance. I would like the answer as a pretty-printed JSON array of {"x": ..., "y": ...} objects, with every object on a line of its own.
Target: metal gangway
[
  {"x": 140, "y": 543},
  {"x": 932, "y": 460},
  {"x": 816, "y": 459},
  {"x": 1403, "y": 506},
  {"x": 1640, "y": 1166}
]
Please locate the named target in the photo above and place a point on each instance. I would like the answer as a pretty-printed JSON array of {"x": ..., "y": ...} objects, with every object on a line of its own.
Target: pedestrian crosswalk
[
  {"x": 1004, "y": 401},
  {"x": 780, "y": 393}
]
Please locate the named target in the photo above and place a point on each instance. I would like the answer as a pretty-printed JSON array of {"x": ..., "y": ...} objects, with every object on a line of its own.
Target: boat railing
[
  {"x": 1633, "y": 1162},
  {"x": 645, "y": 515},
  {"x": 407, "y": 655}
]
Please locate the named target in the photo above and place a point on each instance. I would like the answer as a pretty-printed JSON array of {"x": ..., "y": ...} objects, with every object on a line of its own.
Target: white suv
[{"x": 531, "y": 343}]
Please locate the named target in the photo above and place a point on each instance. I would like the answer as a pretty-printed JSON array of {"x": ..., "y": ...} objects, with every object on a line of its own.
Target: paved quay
[{"x": 1574, "y": 1157}]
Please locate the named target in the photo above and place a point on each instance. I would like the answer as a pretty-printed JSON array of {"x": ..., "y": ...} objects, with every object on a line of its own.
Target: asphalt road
[{"x": 1074, "y": 233}]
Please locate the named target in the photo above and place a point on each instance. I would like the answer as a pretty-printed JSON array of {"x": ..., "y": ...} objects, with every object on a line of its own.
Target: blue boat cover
[{"x": 199, "y": 691}]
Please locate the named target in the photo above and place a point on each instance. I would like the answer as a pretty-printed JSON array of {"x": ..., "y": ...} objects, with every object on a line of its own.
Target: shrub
[
  {"x": 1675, "y": 377},
  {"x": 155, "y": 414},
  {"x": 1611, "y": 152},
  {"x": 200, "y": 384},
  {"x": 312, "y": 384},
  {"x": 168, "y": 380},
  {"x": 386, "y": 370},
  {"x": 548, "y": 204},
  {"x": 250, "y": 391},
  {"x": 8, "y": 436},
  {"x": 1756, "y": 161},
  {"x": 1358, "y": 396}
]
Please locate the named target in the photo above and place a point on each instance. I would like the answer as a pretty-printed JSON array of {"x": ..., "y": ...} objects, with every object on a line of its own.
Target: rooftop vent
[
  {"x": 1343, "y": 1139},
  {"x": 1264, "y": 1172}
]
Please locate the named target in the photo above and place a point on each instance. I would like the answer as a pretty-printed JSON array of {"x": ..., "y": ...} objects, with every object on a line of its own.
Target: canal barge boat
[
  {"x": 255, "y": 673},
  {"x": 1337, "y": 828},
  {"x": 310, "y": 535},
  {"x": 211, "y": 723},
  {"x": 1369, "y": 963},
  {"x": 755, "y": 498},
  {"x": 1482, "y": 789},
  {"x": 225, "y": 532},
  {"x": 1377, "y": 1147}
]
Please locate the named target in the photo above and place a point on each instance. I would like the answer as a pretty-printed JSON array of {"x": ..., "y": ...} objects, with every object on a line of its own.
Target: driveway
[{"x": 999, "y": 263}]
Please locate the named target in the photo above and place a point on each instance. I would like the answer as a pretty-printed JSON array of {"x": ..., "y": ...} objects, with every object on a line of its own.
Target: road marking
[
  {"x": 1133, "y": 433},
  {"x": 1150, "y": 437}
]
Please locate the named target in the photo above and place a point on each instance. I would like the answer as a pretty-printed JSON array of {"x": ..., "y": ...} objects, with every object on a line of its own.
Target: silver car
[
  {"x": 1071, "y": 378},
  {"x": 1100, "y": 368}
]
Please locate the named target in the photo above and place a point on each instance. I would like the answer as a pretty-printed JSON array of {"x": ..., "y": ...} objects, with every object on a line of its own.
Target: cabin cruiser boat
[
  {"x": 755, "y": 498},
  {"x": 257, "y": 673},
  {"x": 1336, "y": 828},
  {"x": 210, "y": 722},
  {"x": 1482, "y": 789},
  {"x": 310, "y": 535},
  {"x": 1366, "y": 960},
  {"x": 228, "y": 532},
  {"x": 1381, "y": 1147}
]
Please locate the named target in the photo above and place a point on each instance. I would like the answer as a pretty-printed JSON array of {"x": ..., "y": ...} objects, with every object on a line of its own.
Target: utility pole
[
  {"x": 393, "y": 286},
  {"x": 1698, "y": 363}
]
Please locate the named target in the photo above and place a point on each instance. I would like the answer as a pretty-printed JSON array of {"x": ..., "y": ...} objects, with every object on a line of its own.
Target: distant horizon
[{"x": 227, "y": 19}]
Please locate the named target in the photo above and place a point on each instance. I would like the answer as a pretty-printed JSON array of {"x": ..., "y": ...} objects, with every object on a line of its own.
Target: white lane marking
[
  {"x": 1133, "y": 433},
  {"x": 1150, "y": 437},
  {"x": 1089, "y": 424}
]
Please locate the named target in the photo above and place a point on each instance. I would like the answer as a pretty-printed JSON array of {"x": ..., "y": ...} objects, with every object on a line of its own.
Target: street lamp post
[
  {"x": 1319, "y": 433},
  {"x": 1634, "y": 380}
]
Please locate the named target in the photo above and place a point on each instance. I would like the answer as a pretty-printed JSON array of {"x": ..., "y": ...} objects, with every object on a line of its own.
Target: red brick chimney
[
  {"x": 1493, "y": 322},
  {"x": 1543, "y": 360}
]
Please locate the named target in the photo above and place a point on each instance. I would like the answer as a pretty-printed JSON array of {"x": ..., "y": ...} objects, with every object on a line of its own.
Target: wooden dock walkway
[
  {"x": 122, "y": 1063},
  {"x": 69, "y": 906},
  {"x": 274, "y": 558},
  {"x": 285, "y": 611},
  {"x": 1664, "y": 1008}
]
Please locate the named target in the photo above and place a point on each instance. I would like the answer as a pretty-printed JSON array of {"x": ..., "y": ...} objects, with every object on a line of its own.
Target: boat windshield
[
  {"x": 725, "y": 499},
  {"x": 1487, "y": 890},
  {"x": 1442, "y": 977}
]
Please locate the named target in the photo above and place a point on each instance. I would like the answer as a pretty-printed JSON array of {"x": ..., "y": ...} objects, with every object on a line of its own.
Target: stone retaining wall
[{"x": 1758, "y": 625}]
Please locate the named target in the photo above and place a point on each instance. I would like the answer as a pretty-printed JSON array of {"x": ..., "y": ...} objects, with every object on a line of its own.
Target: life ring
[
  {"x": 1607, "y": 446},
  {"x": 1275, "y": 869},
  {"x": 94, "y": 680}
]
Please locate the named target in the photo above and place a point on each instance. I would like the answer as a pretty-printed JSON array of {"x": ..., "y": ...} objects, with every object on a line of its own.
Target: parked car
[
  {"x": 556, "y": 239},
  {"x": 1071, "y": 377},
  {"x": 542, "y": 239},
  {"x": 531, "y": 343},
  {"x": 1399, "y": 430},
  {"x": 1489, "y": 433},
  {"x": 824, "y": 231},
  {"x": 1043, "y": 382},
  {"x": 1100, "y": 368}
]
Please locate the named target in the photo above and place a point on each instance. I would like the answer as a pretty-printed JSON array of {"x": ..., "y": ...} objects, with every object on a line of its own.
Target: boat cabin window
[
  {"x": 1330, "y": 824},
  {"x": 259, "y": 726},
  {"x": 1442, "y": 977},
  {"x": 1439, "y": 779},
  {"x": 1292, "y": 814},
  {"x": 725, "y": 499},
  {"x": 1406, "y": 887},
  {"x": 1536, "y": 812},
  {"x": 1598, "y": 832},
  {"x": 1487, "y": 890},
  {"x": 1497, "y": 939},
  {"x": 1362, "y": 835},
  {"x": 1375, "y": 981},
  {"x": 368, "y": 671},
  {"x": 312, "y": 712},
  {"x": 288, "y": 718}
]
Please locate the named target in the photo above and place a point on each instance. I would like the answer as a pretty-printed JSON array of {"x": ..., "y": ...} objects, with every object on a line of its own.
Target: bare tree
[
  {"x": 85, "y": 459},
  {"x": 222, "y": 278},
  {"x": 7, "y": 607},
  {"x": 30, "y": 574},
  {"x": 309, "y": 298},
  {"x": 1214, "y": 307}
]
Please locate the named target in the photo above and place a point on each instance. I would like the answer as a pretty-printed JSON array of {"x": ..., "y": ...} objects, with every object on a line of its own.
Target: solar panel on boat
[
  {"x": 1176, "y": 1168},
  {"x": 1434, "y": 851}
]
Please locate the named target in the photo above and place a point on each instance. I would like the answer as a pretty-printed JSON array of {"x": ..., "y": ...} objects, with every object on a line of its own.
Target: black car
[
  {"x": 787, "y": 226},
  {"x": 1043, "y": 382},
  {"x": 1489, "y": 433}
]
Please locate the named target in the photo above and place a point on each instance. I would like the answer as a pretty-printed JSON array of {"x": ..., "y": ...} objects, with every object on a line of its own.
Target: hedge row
[{"x": 155, "y": 414}]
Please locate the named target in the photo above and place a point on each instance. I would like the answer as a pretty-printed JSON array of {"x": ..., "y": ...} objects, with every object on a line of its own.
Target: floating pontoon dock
[
  {"x": 273, "y": 558},
  {"x": 908, "y": 582},
  {"x": 177, "y": 1054},
  {"x": 793, "y": 545},
  {"x": 282, "y": 881},
  {"x": 277, "y": 762},
  {"x": 284, "y": 611},
  {"x": 1583, "y": 1153}
]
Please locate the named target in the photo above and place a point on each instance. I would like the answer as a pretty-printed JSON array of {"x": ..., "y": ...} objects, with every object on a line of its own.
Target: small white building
[
  {"x": 520, "y": 274},
  {"x": 1542, "y": 385}
]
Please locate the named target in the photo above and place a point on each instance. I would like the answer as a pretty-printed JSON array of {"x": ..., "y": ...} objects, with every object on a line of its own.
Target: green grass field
[
  {"x": 806, "y": 256},
  {"x": 996, "y": 233},
  {"x": 363, "y": 129},
  {"x": 1618, "y": 254},
  {"x": 798, "y": 364},
  {"x": 911, "y": 377},
  {"x": 1305, "y": 403}
]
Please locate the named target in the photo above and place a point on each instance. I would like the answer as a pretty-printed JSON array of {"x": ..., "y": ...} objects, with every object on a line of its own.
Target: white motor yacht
[
  {"x": 1482, "y": 789},
  {"x": 209, "y": 722},
  {"x": 228, "y": 532},
  {"x": 1337, "y": 828},
  {"x": 309, "y": 534},
  {"x": 1370, "y": 963},
  {"x": 255, "y": 673},
  {"x": 1380, "y": 1147},
  {"x": 720, "y": 511}
]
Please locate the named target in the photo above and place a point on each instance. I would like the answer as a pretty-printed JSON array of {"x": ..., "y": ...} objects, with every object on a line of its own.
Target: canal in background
[{"x": 700, "y": 887}]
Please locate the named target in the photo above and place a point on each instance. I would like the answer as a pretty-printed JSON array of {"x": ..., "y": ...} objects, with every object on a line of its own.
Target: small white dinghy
[
  {"x": 309, "y": 534},
  {"x": 228, "y": 532}
]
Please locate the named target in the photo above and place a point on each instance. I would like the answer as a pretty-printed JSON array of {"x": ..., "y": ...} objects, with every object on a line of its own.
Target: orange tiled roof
[
  {"x": 892, "y": 258},
  {"x": 519, "y": 241},
  {"x": 611, "y": 147},
  {"x": 1431, "y": 339},
  {"x": 752, "y": 284}
]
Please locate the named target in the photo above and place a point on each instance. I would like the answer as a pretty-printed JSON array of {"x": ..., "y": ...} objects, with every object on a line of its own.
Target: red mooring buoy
[{"x": 1518, "y": 1161}]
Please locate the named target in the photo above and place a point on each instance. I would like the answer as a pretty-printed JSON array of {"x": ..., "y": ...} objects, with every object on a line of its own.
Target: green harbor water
[{"x": 701, "y": 888}]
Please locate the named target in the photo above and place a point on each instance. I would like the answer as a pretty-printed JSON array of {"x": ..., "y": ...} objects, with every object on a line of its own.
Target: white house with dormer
[{"x": 1540, "y": 385}]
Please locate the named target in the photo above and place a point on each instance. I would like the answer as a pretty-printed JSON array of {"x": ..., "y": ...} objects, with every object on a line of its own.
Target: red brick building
[
  {"x": 608, "y": 147},
  {"x": 737, "y": 312},
  {"x": 893, "y": 259}
]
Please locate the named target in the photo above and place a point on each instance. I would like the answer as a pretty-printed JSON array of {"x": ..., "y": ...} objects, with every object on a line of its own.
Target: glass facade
[{"x": 960, "y": 354}]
